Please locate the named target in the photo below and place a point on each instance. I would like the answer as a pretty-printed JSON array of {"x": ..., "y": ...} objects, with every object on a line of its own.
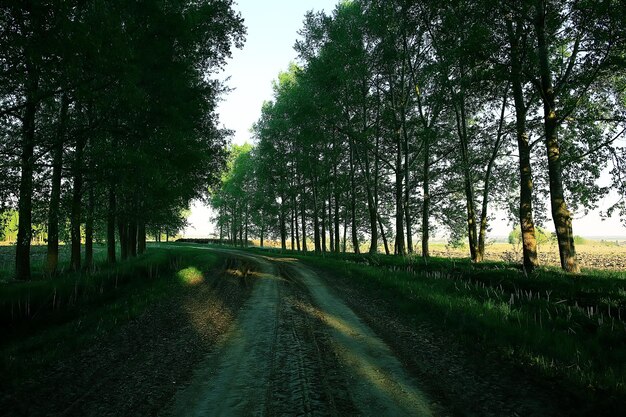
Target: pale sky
[{"x": 272, "y": 31}]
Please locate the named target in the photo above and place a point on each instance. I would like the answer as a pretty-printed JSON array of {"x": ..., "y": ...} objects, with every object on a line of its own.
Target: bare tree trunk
[
  {"x": 295, "y": 219},
  {"x": 25, "y": 204},
  {"x": 337, "y": 215},
  {"x": 527, "y": 224},
  {"x": 89, "y": 220},
  {"x": 316, "y": 223},
  {"x": 560, "y": 213},
  {"x": 283, "y": 226},
  {"x": 141, "y": 238},
  {"x": 323, "y": 234},
  {"x": 292, "y": 229},
  {"x": 111, "y": 213},
  {"x": 132, "y": 238},
  {"x": 382, "y": 234},
  {"x": 246, "y": 231},
  {"x": 345, "y": 230},
  {"x": 330, "y": 224},
  {"x": 77, "y": 194},
  {"x": 303, "y": 212},
  {"x": 407, "y": 197},
  {"x": 426, "y": 202},
  {"x": 355, "y": 238},
  {"x": 123, "y": 233},
  {"x": 262, "y": 231},
  {"x": 468, "y": 180},
  {"x": 399, "y": 245},
  {"x": 55, "y": 191}
]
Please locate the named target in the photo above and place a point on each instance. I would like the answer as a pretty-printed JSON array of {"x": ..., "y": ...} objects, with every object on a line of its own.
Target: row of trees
[
  {"x": 406, "y": 116},
  {"x": 107, "y": 118}
]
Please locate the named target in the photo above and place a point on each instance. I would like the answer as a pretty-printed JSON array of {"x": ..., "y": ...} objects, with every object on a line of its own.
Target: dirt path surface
[
  {"x": 135, "y": 371},
  {"x": 297, "y": 349},
  {"x": 470, "y": 382}
]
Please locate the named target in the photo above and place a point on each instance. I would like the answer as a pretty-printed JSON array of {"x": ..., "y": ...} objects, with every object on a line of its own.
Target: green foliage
[
  {"x": 8, "y": 226},
  {"x": 542, "y": 235},
  {"x": 123, "y": 101},
  {"x": 400, "y": 116}
]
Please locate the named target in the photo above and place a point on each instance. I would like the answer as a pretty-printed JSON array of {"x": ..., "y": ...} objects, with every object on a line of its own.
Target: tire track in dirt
[
  {"x": 378, "y": 382},
  {"x": 298, "y": 350},
  {"x": 233, "y": 380},
  {"x": 306, "y": 379}
]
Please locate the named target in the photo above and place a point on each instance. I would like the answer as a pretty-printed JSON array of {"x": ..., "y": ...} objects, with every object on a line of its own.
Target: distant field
[{"x": 592, "y": 254}]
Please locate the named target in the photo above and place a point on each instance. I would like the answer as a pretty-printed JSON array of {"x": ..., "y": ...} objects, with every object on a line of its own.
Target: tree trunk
[
  {"x": 316, "y": 222},
  {"x": 55, "y": 191},
  {"x": 527, "y": 224},
  {"x": 560, "y": 213},
  {"x": 323, "y": 234},
  {"x": 472, "y": 234},
  {"x": 292, "y": 213},
  {"x": 407, "y": 197},
  {"x": 399, "y": 245},
  {"x": 111, "y": 227},
  {"x": 345, "y": 230},
  {"x": 132, "y": 238},
  {"x": 426, "y": 202},
  {"x": 337, "y": 218},
  {"x": 141, "y": 238},
  {"x": 330, "y": 224},
  {"x": 89, "y": 221},
  {"x": 25, "y": 204},
  {"x": 262, "y": 231},
  {"x": 303, "y": 212},
  {"x": 123, "y": 233},
  {"x": 296, "y": 225},
  {"x": 382, "y": 234},
  {"x": 283, "y": 226},
  {"x": 246, "y": 231},
  {"x": 77, "y": 194},
  {"x": 355, "y": 238}
]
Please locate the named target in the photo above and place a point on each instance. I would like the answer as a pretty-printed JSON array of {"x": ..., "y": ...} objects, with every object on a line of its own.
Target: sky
[{"x": 273, "y": 27}]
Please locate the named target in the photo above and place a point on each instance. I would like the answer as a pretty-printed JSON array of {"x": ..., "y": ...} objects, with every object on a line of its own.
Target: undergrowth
[{"x": 45, "y": 320}]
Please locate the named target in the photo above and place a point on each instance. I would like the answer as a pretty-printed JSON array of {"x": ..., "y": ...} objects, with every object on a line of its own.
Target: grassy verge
[
  {"x": 46, "y": 320},
  {"x": 571, "y": 328},
  {"x": 38, "y": 254}
]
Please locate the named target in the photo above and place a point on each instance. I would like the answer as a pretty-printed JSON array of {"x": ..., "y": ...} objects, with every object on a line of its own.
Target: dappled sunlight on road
[
  {"x": 281, "y": 260},
  {"x": 368, "y": 357}
]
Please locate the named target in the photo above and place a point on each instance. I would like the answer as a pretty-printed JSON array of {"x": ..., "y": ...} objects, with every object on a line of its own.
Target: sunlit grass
[{"x": 190, "y": 276}]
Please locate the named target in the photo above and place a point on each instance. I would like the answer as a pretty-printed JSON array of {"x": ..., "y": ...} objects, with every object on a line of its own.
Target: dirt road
[{"x": 296, "y": 349}]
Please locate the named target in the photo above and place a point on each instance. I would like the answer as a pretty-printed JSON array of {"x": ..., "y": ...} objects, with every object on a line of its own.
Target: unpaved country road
[{"x": 297, "y": 349}]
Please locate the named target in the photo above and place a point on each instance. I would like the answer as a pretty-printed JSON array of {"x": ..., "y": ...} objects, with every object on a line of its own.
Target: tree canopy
[
  {"x": 107, "y": 117},
  {"x": 401, "y": 118}
]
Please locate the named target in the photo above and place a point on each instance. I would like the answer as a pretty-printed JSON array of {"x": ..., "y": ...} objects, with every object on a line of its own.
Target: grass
[
  {"x": 38, "y": 259},
  {"x": 45, "y": 320},
  {"x": 570, "y": 328}
]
